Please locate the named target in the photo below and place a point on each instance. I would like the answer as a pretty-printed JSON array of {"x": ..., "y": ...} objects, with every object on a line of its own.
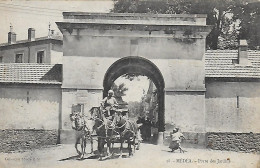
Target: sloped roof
[
  {"x": 30, "y": 73},
  {"x": 220, "y": 64},
  {"x": 36, "y": 39}
]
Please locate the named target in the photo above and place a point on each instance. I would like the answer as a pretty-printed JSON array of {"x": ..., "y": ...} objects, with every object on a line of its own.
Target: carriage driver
[{"x": 109, "y": 105}]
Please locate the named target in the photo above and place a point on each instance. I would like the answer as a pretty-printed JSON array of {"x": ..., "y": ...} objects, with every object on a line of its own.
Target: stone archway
[
  {"x": 142, "y": 66},
  {"x": 93, "y": 46}
]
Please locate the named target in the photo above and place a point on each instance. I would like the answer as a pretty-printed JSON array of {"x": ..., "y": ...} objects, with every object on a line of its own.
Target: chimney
[
  {"x": 11, "y": 36},
  {"x": 31, "y": 34},
  {"x": 243, "y": 53}
]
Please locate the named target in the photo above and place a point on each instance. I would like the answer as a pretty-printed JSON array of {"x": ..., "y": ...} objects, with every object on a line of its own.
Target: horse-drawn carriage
[{"x": 109, "y": 130}]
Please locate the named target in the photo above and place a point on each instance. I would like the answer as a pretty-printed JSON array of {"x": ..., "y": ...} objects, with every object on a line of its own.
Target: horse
[
  {"x": 84, "y": 129},
  {"x": 128, "y": 131},
  {"x": 104, "y": 129}
]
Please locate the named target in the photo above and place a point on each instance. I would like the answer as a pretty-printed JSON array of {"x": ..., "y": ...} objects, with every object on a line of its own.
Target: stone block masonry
[
  {"x": 20, "y": 139},
  {"x": 245, "y": 142}
]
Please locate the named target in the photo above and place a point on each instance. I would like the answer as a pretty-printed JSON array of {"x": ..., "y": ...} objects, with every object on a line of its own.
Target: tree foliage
[
  {"x": 136, "y": 109},
  {"x": 248, "y": 15},
  {"x": 220, "y": 14},
  {"x": 119, "y": 91}
]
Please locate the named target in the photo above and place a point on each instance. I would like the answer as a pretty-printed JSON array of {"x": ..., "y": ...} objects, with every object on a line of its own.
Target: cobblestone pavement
[{"x": 152, "y": 156}]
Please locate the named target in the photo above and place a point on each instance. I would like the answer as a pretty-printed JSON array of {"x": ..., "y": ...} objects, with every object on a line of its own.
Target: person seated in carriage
[{"x": 109, "y": 106}]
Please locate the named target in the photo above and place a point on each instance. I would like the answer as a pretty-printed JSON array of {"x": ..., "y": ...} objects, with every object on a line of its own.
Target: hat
[{"x": 111, "y": 91}]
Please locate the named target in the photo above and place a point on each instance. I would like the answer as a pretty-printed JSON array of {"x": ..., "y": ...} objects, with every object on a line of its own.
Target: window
[
  {"x": 1, "y": 59},
  {"x": 78, "y": 108},
  {"x": 19, "y": 58},
  {"x": 40, "y": 56}
]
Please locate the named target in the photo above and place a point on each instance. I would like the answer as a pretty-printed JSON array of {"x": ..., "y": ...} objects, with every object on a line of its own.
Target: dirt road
[{"x": 152, "y": 156}]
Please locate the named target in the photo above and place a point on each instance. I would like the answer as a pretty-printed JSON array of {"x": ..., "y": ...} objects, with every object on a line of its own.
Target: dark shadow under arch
[{"x": 142, "y": 66}]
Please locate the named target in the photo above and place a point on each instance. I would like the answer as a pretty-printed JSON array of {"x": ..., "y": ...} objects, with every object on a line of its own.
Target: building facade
[
  {"x": 232, "y": 99},
  {"x": 30, "y": 91},
  {"x": 44, "y": 50},
  {"x": 30, "y": 105},
  {"x": 169, "y": 49}
]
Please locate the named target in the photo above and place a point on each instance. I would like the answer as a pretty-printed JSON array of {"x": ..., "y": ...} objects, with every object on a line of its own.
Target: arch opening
[{"x": 138, "y": 66}]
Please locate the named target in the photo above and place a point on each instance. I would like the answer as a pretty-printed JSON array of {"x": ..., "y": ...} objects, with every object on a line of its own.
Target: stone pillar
[{"x": 160, "y": 139}]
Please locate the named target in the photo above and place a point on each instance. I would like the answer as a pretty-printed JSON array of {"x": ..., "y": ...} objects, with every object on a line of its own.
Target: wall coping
[
  {"x": 180, "y": 90},
  {"x": 134, "y": 18},
  {"x": 98, "y": 15}
]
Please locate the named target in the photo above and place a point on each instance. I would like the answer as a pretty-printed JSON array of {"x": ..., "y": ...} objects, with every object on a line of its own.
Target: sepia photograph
[{"x": 130, "y": 83}]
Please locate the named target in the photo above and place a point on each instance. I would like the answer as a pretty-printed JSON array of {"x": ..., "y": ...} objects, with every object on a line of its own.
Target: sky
[
  {"x": 38, "y": 14},
  {"x": 135, "y": 87}
]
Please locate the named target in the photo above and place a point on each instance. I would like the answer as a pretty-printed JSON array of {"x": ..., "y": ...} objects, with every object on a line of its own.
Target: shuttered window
[
  {"x": 40, "y": 57},
  {"x": 19, "y": 58}
]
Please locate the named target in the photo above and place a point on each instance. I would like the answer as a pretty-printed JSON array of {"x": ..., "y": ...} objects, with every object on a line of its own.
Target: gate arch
[{"x": 142, "y": 66}]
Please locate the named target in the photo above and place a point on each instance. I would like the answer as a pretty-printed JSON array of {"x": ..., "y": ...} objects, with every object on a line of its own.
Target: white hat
[{"x": 111, "y": 91}]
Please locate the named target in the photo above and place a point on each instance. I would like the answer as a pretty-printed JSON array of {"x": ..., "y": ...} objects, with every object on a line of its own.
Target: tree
[
  {"x": 228, "y": 37},
  {"x": 248, "y": 16},
  {"x": 136, "y": 109},
  {"x": 218, "y": 13},
  {"x": 119, "y": 92}
]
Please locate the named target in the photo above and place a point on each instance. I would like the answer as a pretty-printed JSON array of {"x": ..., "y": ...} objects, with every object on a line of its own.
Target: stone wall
[
  {"x": 22, "y": 105},
  {"x": 20, "y": 139},
  {"x": 185, "y": 110},
  {"x": 70, "y": 98},
  {"x": 192, "y": 140},
  {"x": 232, "y": 106},
  {"x": 245, "y": 142}
]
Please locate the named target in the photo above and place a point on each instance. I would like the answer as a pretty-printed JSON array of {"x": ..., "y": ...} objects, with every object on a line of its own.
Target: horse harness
[
  {"x": 114, "y": 128},
  {"x": 85, "y": 131}
]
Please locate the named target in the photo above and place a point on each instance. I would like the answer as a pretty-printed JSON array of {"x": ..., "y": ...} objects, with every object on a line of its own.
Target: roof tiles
[
  {"x": 218, "y": 64},
  {"x": 222, "y": 63},
  {"x": 30, "y": 73}
]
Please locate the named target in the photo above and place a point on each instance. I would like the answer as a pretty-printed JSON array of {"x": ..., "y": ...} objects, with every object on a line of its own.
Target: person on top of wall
[{"x": 109, "y": 106}]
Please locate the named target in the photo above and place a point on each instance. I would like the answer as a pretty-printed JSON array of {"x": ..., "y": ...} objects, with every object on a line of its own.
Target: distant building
[
  {"x": 30, "y": 90},
  {"x": 30, "y": 104},
  {"x": 232, "y": 99},
  {"x": 43, "y": 50},
  {"x": 232, "y": 82}
]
